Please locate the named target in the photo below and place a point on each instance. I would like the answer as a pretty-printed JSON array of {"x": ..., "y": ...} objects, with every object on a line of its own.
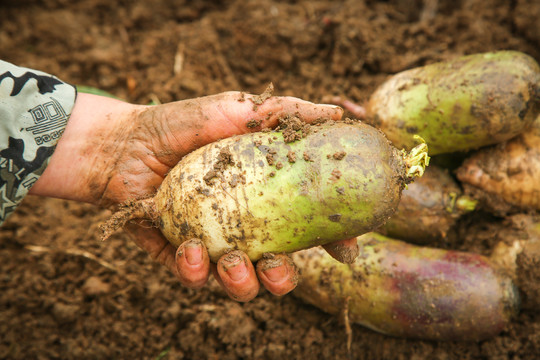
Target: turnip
[
  {"x": 429, "y": 208},
  {"x": 280, "y": 191},
  {"x": 461, "y": 104},
  {"x": 405, "y": 290},
  {"x": 507, "y": 176}
]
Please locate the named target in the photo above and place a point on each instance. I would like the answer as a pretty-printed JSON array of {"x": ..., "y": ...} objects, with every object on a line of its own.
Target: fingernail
[
  {"x": 193, "y": 252},
  {"x": 277, "y": 273},
  {"x": 235, "y": 267}
]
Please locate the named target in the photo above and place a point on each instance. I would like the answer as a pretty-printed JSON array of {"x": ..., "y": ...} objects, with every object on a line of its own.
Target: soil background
[{"x": 64, "y": 294}]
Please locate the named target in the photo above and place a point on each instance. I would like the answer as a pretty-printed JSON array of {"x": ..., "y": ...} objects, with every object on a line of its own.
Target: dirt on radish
[
  {"x": 460, "y": 104},
  {"x": 65, "y": 294},
  {"x": 505, "y": 177},
  {"x": 409, "y": 291},
  {"x": 240, "y": 193}
]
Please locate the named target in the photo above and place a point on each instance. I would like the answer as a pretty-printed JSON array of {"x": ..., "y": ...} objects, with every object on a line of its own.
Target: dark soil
[{"x": 65, "y": 294}]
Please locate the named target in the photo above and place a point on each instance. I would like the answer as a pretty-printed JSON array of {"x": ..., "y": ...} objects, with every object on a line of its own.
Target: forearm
[{"x": 80, "y": 167}]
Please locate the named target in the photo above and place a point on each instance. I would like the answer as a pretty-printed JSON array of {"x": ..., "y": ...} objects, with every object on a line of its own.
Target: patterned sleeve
[{"x": 34, "y": 109}]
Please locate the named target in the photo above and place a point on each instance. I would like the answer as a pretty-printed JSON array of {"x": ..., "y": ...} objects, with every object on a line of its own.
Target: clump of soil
[
  {"x": 253, "y": 123},
  {"x": 339, "y": 155},
  {"x": 77, "y": 297},
  {"x": 223, "y": 160},
  {"x": 291, "y": 156},
  {"x": 259, "y": 99},
  {"x": 270, "y": 159},
  {"x": 293, "y": 128}
]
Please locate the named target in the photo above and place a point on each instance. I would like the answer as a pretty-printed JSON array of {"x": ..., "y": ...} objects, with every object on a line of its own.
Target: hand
[{"x": 112, "y": 151}]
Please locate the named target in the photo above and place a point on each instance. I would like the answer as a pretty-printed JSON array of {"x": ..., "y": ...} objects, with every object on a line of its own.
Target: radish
[
  {"x": 506, "y": 177},
  {"x": 429, "y": 208},
  {"x": 280, "y": 191},
  {"x": 409, "y": 291},
  {"x": 458, "y": 105}
]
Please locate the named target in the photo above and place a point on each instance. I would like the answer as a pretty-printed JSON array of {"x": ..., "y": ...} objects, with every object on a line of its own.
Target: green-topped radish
[
  {"x": 409, "y": 291},
  {"x": 457, "y": 105},
  {"x": 280, "y": 191}
]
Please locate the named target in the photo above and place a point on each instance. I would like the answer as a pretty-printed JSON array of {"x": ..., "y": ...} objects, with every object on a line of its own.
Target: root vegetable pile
[
  {"x": 489, "y": 101},
  {"x": 280, "y": 191},
  {"x": 303, "y": 186}
]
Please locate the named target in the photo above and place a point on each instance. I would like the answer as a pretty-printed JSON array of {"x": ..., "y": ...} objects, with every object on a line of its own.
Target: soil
[
  {"x": 224, "y": 159},
  {"x": 65, "y": 294}
]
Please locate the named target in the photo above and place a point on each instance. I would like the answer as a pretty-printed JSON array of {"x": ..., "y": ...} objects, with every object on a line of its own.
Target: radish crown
[{"x": 417, "y": 160}]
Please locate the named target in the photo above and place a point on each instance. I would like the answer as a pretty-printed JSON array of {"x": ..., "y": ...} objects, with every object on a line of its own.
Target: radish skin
[
  {"x": 519, "y": 256},
  {"x": 429, "y": 208},
  {"x": 506, "y": 176},
  {"x": 262, "y": 193},
  {"x": 409, "y": 291},
  {"x": 461, "y": 104}
]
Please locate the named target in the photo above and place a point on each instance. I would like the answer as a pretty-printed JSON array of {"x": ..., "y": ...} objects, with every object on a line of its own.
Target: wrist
[{"x": 86, "y": 152}]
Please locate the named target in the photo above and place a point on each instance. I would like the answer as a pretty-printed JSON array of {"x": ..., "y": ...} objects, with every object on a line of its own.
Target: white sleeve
[{"x": 34, "y": 110}]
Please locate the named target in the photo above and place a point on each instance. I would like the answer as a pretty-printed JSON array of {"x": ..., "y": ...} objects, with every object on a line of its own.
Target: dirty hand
[{"x": 113, "y": 151}]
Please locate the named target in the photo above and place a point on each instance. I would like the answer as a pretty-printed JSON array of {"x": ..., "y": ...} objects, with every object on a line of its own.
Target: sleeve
[{"x": 34, "y": 110}]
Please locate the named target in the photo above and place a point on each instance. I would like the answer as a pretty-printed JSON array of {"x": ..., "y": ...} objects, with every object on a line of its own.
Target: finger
[
  {"x": 248, "y": 116},
  {"x": 192, "y": 264},
  {"x": 152, "y": 241},
  {"x": 197, "y": 122},
  {"x": 238, "y": 276},
  {"x": 277, "y": 273},
  {"x": 357, "y": 110},
  {"x": 344, "y": 251}
]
